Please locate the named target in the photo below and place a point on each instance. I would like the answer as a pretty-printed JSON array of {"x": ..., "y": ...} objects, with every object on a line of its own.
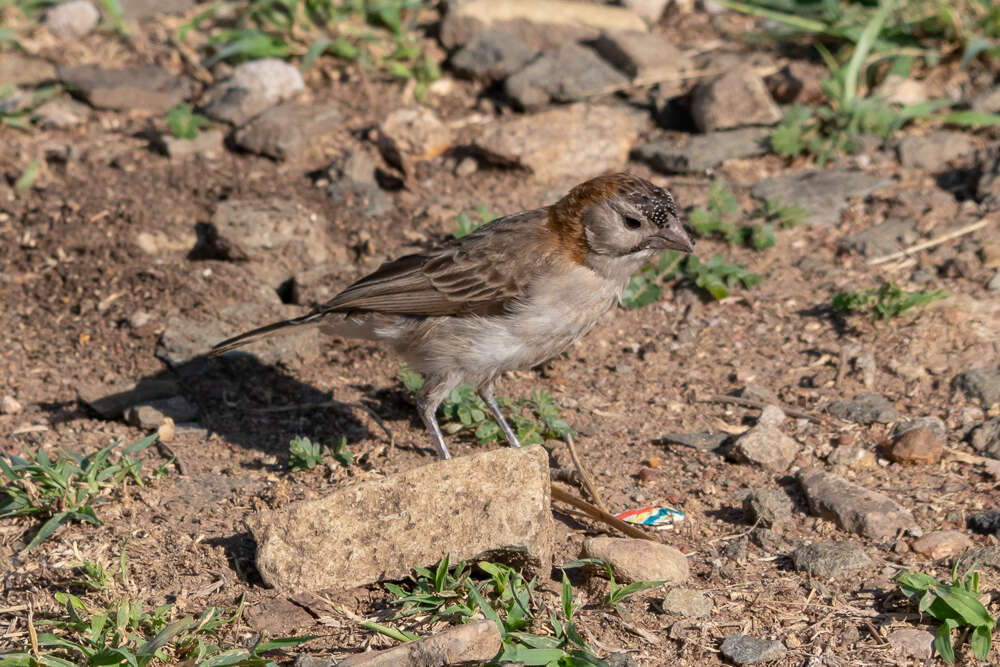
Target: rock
[
  {"x": 701, "y": 152},
  {"x": 145, "y": 87},
  {"x": 10, "y": 405},
  {"x": 932, "y": 424},
  {"x": 769, "y": 508},
  {"x": 569, "y": 74},
  {"x": 912, "y": 642},
  {"x": 985, "y": 438},
  {"x": 638, "y": 560},
  {"x": 940, "y": 544},
  {"x": 797, "y": 82},
  {"x": 352, "y": 181},
  {"x": 578, "y": 141},
  {"x": 882, "y": 239},
  {"x": 771, "y": 415},
  {"x": 736, "y": 98},
  {"x": 287, "y": 130},
  {"x": 110, "y": 401},
  {"x": 540, "y": 24},
  {"x": 852, "y": 456},
  {"x": 985, "y": 523},
  {"x": 166, "y": 430},
  {"x": 642, "y": 55},
  {"x": 492, "y": 55},
  {"x": 984, "y": 556},
  {"x": 650, "y": 10},
  {"x": 831, "y": 560},
  {"x": 472, "y": 643},
  {"x": 20, "y": 69},
  {"x": 184, "y": 340},
  {"x": 251, "y": 89},
  {"x": 933, "y": 151},
  {"x": 380, "y": 529},
  {"x": 207, "y": 144},
  {"x": 989, "y": 170},
  {"x": 704, "y": 441},
  {"x": 980, "y": 384},
  {"x": 61, "y": 113},
  {"x": 987, "y": 101},
  {"x": 744, "y": 650},
  {"x": 864, "y": 409},
  {"x": 852, "y": 507},
  {"x": 822, "y": 193},
  {"x": 414, "y": 132},
  {"x": 71, "y": 20},
  {"x": 145, "y": 9},
  {"x": 994, "y": 284},
  {"x": 621, "y": 659},
  {"x": 897, "y": 89},
  {"x": 766, "y": 446},
  {"x": 688, "y": 603},
  {"x": 150, "y": 415},
  {"x": 918, "y": 445}
]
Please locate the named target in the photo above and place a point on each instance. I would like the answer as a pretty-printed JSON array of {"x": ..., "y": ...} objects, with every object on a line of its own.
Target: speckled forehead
[{"x": 655, "y": 203}]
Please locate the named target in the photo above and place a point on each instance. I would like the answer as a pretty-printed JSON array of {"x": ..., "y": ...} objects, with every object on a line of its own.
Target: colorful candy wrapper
[{"x": 661, "y": 516}]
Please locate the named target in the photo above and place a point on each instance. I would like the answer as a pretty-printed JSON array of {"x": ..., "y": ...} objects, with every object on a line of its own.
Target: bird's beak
[{"x": 672, "y": 236}]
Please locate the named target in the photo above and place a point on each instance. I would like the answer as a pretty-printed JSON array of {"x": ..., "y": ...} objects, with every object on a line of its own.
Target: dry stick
[
  {"x": 597, "y": 514},
  {"x": 588, "y": 481},
  {"x": 963, "y": 457},
  {"x": 751, "y": 403},
  {"x": 968, "y": 229}
]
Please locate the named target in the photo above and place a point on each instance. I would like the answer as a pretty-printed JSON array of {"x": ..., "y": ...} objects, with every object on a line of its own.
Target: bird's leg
[
  {"x": 428, "y": 399},
  {"x": 486, "y": 393}
]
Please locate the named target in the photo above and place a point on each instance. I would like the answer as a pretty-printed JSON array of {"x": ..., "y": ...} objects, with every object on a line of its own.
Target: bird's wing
[{"x": 480, "y": 274}]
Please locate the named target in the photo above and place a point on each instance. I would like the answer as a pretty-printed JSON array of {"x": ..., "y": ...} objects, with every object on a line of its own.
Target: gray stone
[
  {"x": 642, "y": 55},
  {"x": 932, "y": 424},
  {"x": 982, "y": 556},
  {"x": 61, "y": 113},
  {"x": 864, "y": 409},
  {"x": 852, "y": 456},
  {"x": 569, "y": 74},
  {"x": 987, "y": 101},
  {"x": 767, "y": 447},
  {"x": 830, "y": 560},
  {"x": 492, "y": 55},
  {"x": 578, "y": 141},
  {"x": 10, "y": 405},
  {"x": 767, "y": 507},
  {"x": 933, "y": 151},
  {"x": 353, "y": 182},
  {"x": 540, "y": 24},
  {"x": 638, "y": 560},
  {"x": 771, "y": 415},
  {"x": 822, "y": 193},
  {"x": 492, "y": 505},
  {"x": 744, "y": 650},
  {"x": 140, "y": 87},
  {"x": 688, "y": 603},
  {"x": 207, "y": 144},
  {"x": 110, "y": 401},
  {"x": 650, "y": 10},
  {"x": 988, "y": 186},
  {"x": 882, "y": 239},
  {"x": 994, "y": 284},
  {"x": 286, "y": 130},
  {"x": 19, "y": 69},
  {"x": 980, "y": 384},
  {"x": 853, "y": 507},
  {"x": 701, "y": 152},
  {"x": 412, "y": 133},
  {"x": 985, "y": 523},
  {"x": 736, "y": 98},
  {"x": 252, "y": 89},
  {"x": 912, "y": 642},
  {"x": 150, "y": 415},
  {"x": 621, "y": 659},
  {"x": 144, "y": 9},
  {"x": 72, "y": 20},
  {"x": 986, "y": 438},
  {"x": 472, "y": 643},
  {"x": 183, "y": 340},
  {"x": 704, "y": 441}
]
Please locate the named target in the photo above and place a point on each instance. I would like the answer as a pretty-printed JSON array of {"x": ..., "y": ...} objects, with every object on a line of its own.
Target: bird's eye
[{"x": 632, "y": 223}]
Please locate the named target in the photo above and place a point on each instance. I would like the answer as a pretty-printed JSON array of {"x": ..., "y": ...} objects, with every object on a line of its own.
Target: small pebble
[
  {"x": 166, "y": 430},
  {"x": 940, "y": 544},
  {"x": 10, "y": 406},
  {"x": 916, "y": 446}
]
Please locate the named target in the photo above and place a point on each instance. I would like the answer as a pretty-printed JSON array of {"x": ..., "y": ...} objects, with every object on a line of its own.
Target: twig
[
  {"x": 597, "y": 514},
  {"x": 588, "y": 481},
  {"x": 968, "y": 229},
  {"x": 332, "y": 404},
  {"x": 956, "y": 455},
  {"x": 751, "y": 403}
]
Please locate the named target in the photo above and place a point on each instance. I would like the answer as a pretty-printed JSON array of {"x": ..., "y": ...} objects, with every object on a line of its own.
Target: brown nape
[{"x": 564, "y": 221}]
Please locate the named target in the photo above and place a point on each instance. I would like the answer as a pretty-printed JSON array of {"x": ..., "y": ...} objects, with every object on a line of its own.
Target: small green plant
[
  {"x": 185, "y": 123},
  {"x": 68, "y": 488},
  {"x": 121, "y": 631},
  {"x": 304, "y": 454},
  {"x": 776, "y": 213},
  {"x": 616, "y": 592},
  {"x": 715, "y": 276},
  {"x": 887, "y": 301},
  {"x": 466, "y": 225},
  {"x": 717, "y": 219},
  {"x": 955, "y": 605}
]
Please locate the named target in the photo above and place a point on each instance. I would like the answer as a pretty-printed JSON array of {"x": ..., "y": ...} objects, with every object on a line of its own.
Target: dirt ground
[{"x": 72, "y": 278}]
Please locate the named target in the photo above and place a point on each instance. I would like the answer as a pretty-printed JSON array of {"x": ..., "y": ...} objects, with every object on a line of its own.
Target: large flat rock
[
  {"x": 853, "y": 507},
  {"x": 823, "y": 193},
  {"x": 493, "y": 505}
]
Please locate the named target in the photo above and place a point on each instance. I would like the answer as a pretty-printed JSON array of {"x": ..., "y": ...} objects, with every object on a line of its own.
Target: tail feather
[{"x": 248, "y": 337}]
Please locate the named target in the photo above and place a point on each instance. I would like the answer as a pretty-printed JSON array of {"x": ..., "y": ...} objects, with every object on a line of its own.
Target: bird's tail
[{"x": 248, "y": 337}]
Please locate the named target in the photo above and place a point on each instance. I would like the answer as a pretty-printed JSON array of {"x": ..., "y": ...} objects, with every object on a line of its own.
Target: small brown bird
[{"x": 510, "y": 295}]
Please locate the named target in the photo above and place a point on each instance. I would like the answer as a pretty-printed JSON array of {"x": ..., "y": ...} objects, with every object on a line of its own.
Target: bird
[{"x": 512, "y": 294}]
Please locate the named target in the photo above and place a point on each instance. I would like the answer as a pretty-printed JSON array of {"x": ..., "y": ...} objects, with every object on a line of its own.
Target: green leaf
[
  {"x": 980, "y": 641},
  {"x": 27, "y": 177},
  {"x": 942, "y": 641}
]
